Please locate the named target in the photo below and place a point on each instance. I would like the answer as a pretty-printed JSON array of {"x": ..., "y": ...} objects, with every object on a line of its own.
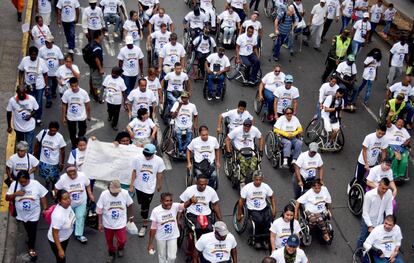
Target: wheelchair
[
  {"x": 220, "y": 37},
  {"x": 241, "y": 226},
  {"x": 270, "y": 9},
  {"x": 361, "y": 256},
  {"x": 398, "y": 179},
  {"x": 152, "y": 56},
  {"x": 192, "y": 175},
  {"x": 356, "y": 198},
  {"x": 169, "y": 143},
  {"x": 164, "y": 111},
  {"x": 188, "y": 36},
  {"x": 315, "y": 132},
  {"x": 223, "y": 134},
  {"x": 274, "y": 151},
  {"x": 260, "y": 107},
  {"x": 215, "y": 83},
  {"x": 240, "y": 72}
]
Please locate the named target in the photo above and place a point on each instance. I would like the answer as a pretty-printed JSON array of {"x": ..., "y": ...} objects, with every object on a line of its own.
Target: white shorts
[{"x": 330, "y": 126}]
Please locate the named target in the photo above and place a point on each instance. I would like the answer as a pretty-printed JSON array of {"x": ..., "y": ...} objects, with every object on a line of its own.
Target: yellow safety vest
[
  {"x": 342, "y": 46},
  {"x": 392, "y": 105}
]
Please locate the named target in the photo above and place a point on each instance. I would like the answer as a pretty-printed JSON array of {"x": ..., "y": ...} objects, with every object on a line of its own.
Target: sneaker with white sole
[
  {"x": 285, "y": 162},
  {"x": 82, "y": 239},
  {"x": 115, "y": 34},
  {"x": 142, "y": 231}
]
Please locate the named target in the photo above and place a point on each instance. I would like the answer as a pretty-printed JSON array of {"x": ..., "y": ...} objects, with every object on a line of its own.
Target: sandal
[{"x": 32, "y": 254}]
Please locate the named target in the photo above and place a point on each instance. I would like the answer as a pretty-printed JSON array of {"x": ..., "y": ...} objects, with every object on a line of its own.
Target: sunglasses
[
  {"x": 248, "y": 125},
  {"x": 288, "y": 113}
]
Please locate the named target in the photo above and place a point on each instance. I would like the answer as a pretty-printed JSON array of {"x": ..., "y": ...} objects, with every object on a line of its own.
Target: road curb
[{"x": 8, "y": 224}]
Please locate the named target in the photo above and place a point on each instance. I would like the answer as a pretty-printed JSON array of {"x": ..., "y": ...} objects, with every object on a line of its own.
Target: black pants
[
  {"x": 73, "y": 126},
  {"x": 326, "y": 27},
  {"x": 359, "y": 175},
  {"x": 31, "y": 230},
  {"x": 113, "y": 113},
  {"x": 330, "y": 67},
  {"x": 201, "y": 58},
  {"x": 144, "y": 200},
  {"x": 64, "y": 245},
  {"x": 255, "y": 3},
  {"x": 199, "y": 231},
  {"x": 262, "y": 220}
]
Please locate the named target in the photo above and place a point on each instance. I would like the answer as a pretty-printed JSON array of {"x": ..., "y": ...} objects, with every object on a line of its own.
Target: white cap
[
  {"x": 129, "y": 40},
  {"x": 366, "y": 15},
  {"x": 322, "y": 1},
  {"x": 93, "y": 1}
]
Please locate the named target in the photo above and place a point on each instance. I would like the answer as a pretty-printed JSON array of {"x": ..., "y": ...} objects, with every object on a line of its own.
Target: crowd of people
[{"x": 48, "y": 72}]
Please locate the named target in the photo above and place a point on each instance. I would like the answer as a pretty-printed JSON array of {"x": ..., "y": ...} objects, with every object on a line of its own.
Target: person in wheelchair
[
  {"x": 289, "y": 129},
  {"x": 258, "y": 30},
  {"x": 308, "y": 165},
  {"x": 285, "y": 95},
  {"x": 404, "y": 87},
  {"x": 283, "y": 227},
  {"x": 170, "y": 54},
  {"x": 239, "y": 6},
  {"x": 384, "y": 242},
  {"x": 207, "y": 6},
  {"x": 247, "y": 53},
  {"x": 326, "y": 89},
  {"x": 229, "y": 25},
  {"x": 394, "y": 109},
  {"x": 157, "y": 40},
  {"x": 399, "y": 144},
  {"x": 147, "y": 8},
  {"x": 205, "y": 150},
  {"x": 111, "y": 10},
  {"x": 158, "y": 19},
  {"x": 242, "y": 140},
  {"x": 382, "y": 170},
  {"x": 346, "y": 75},
  {"x": 142, "y": 129},
  {"x": 234, "y": 118},
  {"x": 254, "y": 196},
  {"x": 270, "y": 82},
  {"x": 203, "y": 45},
  {"x": 186, "y": 119},
  {"x": 176, "y": 82},
  {"x": 199, "y": 212},
  {"x": 291, "y": 252},
  {"x": 194, "y": 22},
  {"x": 216, "y": 65},
  {"x": 317, "y": 208},
  {"x": 331, "y": 115}
]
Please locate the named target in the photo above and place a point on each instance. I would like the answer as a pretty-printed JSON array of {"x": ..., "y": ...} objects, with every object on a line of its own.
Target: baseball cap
[
  {"x": 313, "y": 147},
  {"x": 93, "y": 1},
  {"x": 70, "y": 167},
  {"x": 293, "y": 241},
  {"x": 247, "y": 122},
  {"x": 388, "y": 161},
  {"x": 149, "y": 148},
  {"x": 256, "y": 12},
  {"x": 115, "y": 186},
  {"x": 289, "y": 79},
  {"x": 400, "y": 96},
  {"x": 351, "y": 57},
  {"x": 185, "y": 94},
  {"x": 49, "y": 38},
  {"x": 346, "y": 31},
  {"x": 322, "y": 1},
  {"x": 129, "y": 40},
  {"x": 366, "y": 15},
  {"x": 221, "y": 228}
]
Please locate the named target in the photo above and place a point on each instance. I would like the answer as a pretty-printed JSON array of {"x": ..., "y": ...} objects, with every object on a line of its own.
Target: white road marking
[
  {"x": 96, "y": 126},
  {"x": 101, "y": 185}
]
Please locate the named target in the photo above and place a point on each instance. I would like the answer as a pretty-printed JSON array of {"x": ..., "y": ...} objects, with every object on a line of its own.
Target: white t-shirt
[
  {"x": 361, "y": 4},
  {"x": 202, "y": 207},
  {"x": 77, "y": 160},
  {"x": 319, "y": 14},
  {"x": 130, "y": 58},
  {"x": 285, "y": 97},
  {"x": 376, "y": 13},
  {"x": 166, "y": 220},
  {"x": 272, "y": 82},
  {"x": 28, "y": 205},
  {"x": 395, "y": 136},
  {"x": 132, "y": 29},
  {"x": 206, "y": 4},
  {"x": 21, "y": 109},
  {"x": 374, "y": 146},
  {"x": 155, "y": 86},
  {"x": 361, "y": 30},
  {"x": 282, "y": 230},
  {"x": 25, "y": 163},
  {"x": 184, "y": 119},
  {"x": 345, "y": 70},
  {"x": 309, "y": 165},
  {"x": 39, "y": 34},
  {"x": 332, "y": 9},
  {"x": 33, "y": 71},
  {"x": 376, "y": 174},
  {"x": 384, "y": 240},
  {"x": 236, "y": 119},
  {"x": 50, "y": 148},
  {"x": 62, "y": 220},
  {"x": 327, "y": 103},
  {"x": 348, "y": 8},
  {"x": 114, "y": 89},
  {"x": 92, "y": 18},
  {"x": 110, "y": 6},
  {"x": 75, "y": 187},
  {"x": 229, "y": 20},
  {"x": 204, "y": 149},
  {"x": 256, "y": 196},
  {"x": 147, "y": 171},
  {"x": 51, "y": 56},
  {"x": 398, "y": 52},
  {"x": 204, "y": 46},
  {"x": 316, "y": 203},
  {"x": 215, "y": 250},
  {"x": 156, "y": 21},
  {"x": 246, "y": 44},
  {"x": 76, "y": 104},
  {"x": 280, "y": 256},
  {"x": 327, "y": 90},
  {"x": 161, "y": 39},
  {"x": 172, "y": 53},
  {"x": 284, "y": 124},
  {"x": 141, "y": 129},
  {"x": 68, "y": 8},
  {"x": 242, "y": 139},
  {"x": 114, "y": 209},
  {"x": 237, "y": 3},
  {"x": 44, "y": 6},
  {"x": 196, "y": 21},
  {"x": 140, "y": 100},
  {"x": 255, "y": 24},
  {"x": 389, "y": 14},
  {"x": 398, "y": 87},
  {"x": 214, "y": 59},
  {"x": 64, "y": 73},
  {"x": 370, "y": 71},
  {"x": 149, "y": 3}
]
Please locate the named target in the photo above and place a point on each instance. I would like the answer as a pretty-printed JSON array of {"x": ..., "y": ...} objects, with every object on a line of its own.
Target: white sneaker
[
  {"x": 293, "y": 161},
  {"x": 115, "y": 34},
  {"x": 142, "y": 231},
  {"x": 285, "y": 162},
  {"x": 70, "y": 51}
]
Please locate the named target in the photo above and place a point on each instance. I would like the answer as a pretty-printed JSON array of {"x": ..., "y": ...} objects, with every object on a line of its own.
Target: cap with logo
[
  {"x": 247, "y": 122},
  {"x": 293, "y": 241}
]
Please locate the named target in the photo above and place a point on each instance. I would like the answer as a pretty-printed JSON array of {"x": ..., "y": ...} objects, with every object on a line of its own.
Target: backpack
[
  {"x": 201, "y": 39},
  {"x": 48, "y": 214},
  {"x": 87, "y": 53}
]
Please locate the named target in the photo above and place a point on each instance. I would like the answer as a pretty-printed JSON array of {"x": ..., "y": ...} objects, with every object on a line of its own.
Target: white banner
[{"x": 106, "y": 161}]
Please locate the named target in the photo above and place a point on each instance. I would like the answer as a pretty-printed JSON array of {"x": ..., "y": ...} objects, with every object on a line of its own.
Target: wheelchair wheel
[
  {"x": 234, "y": 69},
  {"x": 312, "y": 130},
  {"x": 235, "y": 178},
  {"x": 149, "y": 57},
  {"x": 360, "y": 257},
  {"x": 306, "y": 236},
  {"x": 257, "y": 104},
  {"x": 259, "y": 76},
  {"x": 189, "y": 179},
  {"x": 356, "y": 199},
  {"x": 223, "y": 91},
  {"x": 205, "y": 88},
  {"x": 269, "y": 145},
  {"x": 216, "y": 183},
  {"x": 339, "y": 141},
  {"x": 167, "y": 139},
  {"x": 190, "y": 64},
  {"x": 183, "y": 233},
  {"x": 228, "y": 167},
  {"x": 268, "y": 8},
  {"x": 240, "y": 226}
]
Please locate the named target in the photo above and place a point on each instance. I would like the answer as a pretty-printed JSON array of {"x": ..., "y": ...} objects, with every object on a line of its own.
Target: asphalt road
[{"x": 306, "y": 67}]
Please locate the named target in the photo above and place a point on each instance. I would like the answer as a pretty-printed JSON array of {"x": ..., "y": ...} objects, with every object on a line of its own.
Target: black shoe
[
  {"x": 115, "y": 128},
  {"x": 257, "y": 245},
  {"x": 109, "y": 118},
  {"x": 317, "y": 49},
  {"x": 19, "y": 16},
  {"x": 120, "y": 253},
  {"x": 48, "y": 104}
]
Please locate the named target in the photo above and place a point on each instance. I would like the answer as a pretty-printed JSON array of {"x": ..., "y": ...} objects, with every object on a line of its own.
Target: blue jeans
[
  {"x": 129, "y": 83},
  {"x": 356, "y": 45},
  {"x": 410, "y": 113},
  {"x": 241, "y": 14},
  {"x": 378, "y": 259},
  {"x": 38, "y": 95},
  {"x": 269, "y": 99},
  {"x": 387, "y": 27},
  {"x": 368, "y": 92},
  {"x": 363, "y": 234},
  {"x": 113, "y": 18},
  {"x": 220, "y": 84},
  {"x": 354, "y": 91},
  {"x": 183, "y": 145},
  {"x": 291, "y": 147},
  {"x": 52, "y": 83},
  {"x": 27, "y": 137},
  {"x": 170, "y": 101},
  {"x": 282, "y": 38},
  {"x": 80, "y": 212},
  {"x": 345, "y": 23},
  {"x": 69, "y": 29},
  {"x": 252, "y": 63}
]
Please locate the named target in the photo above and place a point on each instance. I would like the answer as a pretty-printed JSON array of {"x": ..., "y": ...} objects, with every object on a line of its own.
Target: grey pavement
[
  {"x": 406, "y": 7},
  {"x": 306, "y": 68}
]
